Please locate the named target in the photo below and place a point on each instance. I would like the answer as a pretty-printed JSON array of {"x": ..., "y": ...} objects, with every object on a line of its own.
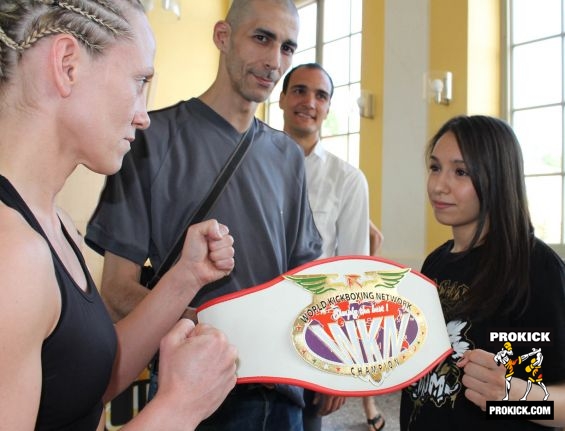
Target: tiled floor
[{"x": 352, "y": 418}]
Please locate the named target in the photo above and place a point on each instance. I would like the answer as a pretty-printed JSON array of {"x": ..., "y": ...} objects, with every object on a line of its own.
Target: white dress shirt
[{"x": 339, "y": 198}]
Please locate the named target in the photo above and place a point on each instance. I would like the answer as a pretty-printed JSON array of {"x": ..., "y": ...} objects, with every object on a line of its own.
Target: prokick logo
[
  {"x": 533, "y": 369},
  {"x": 527, "y": 363}
]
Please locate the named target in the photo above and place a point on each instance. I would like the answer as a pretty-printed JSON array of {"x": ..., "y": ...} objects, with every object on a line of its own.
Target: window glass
[
  {"x": 354, "y": 117},
  {"x": 275, "y": 116},
  {"x": 307, "y": 33},
  {"x": 308, "y": 56},
  {"x": 337, "y": 19},
  {"x": 536, "y": 107},
  {"x": 539, "y": 132},
  {"x": 546, "y": 214},
  {"x": 337, "y": 122},
  {"x": 353, "y": 147},
  {"x": 355, "y": 58},
  {"x": 337, "y": 145},
  {"x": 336, "y": 59},
  {"x": 356, "y": 16},
  {"x": 537, "y": 74},
  {"x": 533, "y": 19},
  {"x": 276, "y": 91}
]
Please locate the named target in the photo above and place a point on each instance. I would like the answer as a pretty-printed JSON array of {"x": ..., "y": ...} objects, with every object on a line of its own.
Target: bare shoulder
[
  {"x": 31, "y": 297},
  {"x": 20, "y": 242},
  {"x": 29, "y": 311}
]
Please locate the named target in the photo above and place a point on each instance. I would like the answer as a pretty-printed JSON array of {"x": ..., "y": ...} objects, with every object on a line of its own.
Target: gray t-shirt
[{"x": 167, "y": 173}]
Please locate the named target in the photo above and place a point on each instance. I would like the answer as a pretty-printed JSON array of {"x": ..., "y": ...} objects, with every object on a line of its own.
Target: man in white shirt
[
  {"x": 337, "y": 191},
  {"x": 338, "y": 195}
]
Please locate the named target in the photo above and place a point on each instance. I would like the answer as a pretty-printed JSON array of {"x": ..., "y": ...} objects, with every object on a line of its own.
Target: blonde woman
[{"x": 72, "y": 78}]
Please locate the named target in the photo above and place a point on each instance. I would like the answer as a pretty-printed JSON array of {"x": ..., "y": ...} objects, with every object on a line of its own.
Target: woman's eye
[{"x": 142, "y": 82}]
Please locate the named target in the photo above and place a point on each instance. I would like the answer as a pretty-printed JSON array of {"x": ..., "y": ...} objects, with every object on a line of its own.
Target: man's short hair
[{"x": 307, "y": 66}]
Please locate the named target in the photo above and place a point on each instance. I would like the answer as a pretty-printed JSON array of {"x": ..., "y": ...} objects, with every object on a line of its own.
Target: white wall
[{"x": 405, "y": 131}]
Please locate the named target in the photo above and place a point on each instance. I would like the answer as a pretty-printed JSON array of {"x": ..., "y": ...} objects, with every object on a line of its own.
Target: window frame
[
  {"x": 352, "y": 137},
  {"x": 510, "y": 110}
]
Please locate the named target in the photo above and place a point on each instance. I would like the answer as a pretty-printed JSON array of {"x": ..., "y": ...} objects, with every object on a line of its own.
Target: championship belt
[{"x": 352, "y": 326}]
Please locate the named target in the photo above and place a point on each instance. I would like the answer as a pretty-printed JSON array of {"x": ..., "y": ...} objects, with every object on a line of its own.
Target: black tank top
[{"x": 77, "y": 357}]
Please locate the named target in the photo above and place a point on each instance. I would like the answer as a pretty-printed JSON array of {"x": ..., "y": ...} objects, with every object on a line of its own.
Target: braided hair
[{"x": 94, "y": 23}]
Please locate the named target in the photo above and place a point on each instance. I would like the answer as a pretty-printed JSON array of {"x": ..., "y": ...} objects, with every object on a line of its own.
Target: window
[
  {"x": 536, "y": 108},
  {"x": 330, "y": 34}
]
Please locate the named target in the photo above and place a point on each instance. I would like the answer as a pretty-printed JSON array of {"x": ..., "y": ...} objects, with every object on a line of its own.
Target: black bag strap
[{"x": 225, "y": 174}]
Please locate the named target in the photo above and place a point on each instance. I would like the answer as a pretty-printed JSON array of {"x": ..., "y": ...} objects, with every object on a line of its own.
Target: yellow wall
[
  {"x": 448, "y": 51},
  {"x": 465, "y": 38},
  {"x": 186, "y": 59},
  {"x": 485, "y": 57},
  {"x": 372, "y": 78}
]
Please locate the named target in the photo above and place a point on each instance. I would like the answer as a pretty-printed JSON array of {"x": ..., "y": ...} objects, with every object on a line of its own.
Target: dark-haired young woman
[{"x": 494, "y": 278}]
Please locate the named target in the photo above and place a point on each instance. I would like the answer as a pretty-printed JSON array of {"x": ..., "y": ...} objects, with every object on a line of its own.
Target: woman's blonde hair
[{"x": 94, "y": 23}]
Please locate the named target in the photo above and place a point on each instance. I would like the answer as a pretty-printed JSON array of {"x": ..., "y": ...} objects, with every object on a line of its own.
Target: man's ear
[
  {"x": 281, "y": 100},
  {"x": 65, "y": 55},
  {"x": 222, "y": 33},
  {"x": 327, "y": 110}
]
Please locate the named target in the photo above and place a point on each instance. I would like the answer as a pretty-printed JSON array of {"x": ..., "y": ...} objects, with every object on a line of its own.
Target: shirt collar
[{"x": 319, "y": 151}]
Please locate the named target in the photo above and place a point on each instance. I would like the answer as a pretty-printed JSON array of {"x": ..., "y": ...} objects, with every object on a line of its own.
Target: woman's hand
[
  {"x": 197, "y": 370},
  {"x": 483, "y": 379},
  {"x": 207, "y": 254}
]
